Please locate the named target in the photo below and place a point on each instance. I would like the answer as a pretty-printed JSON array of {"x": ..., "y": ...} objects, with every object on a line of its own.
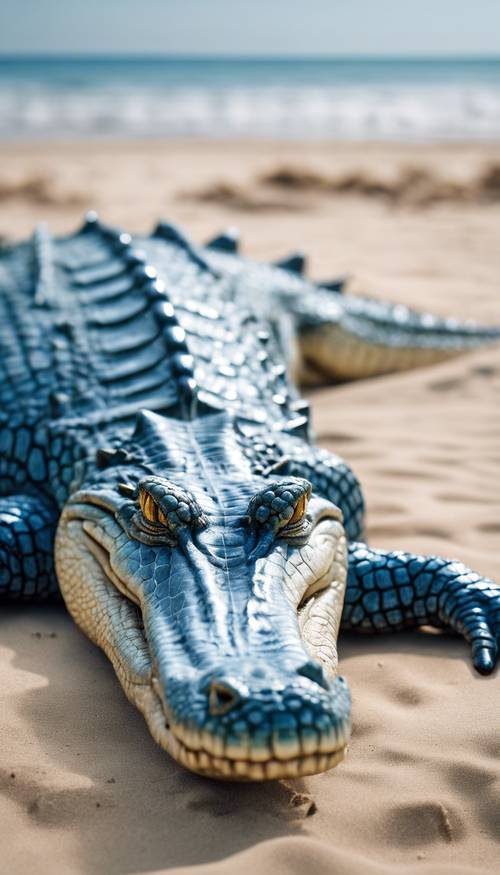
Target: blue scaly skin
[
  {"x": 156, "y": 467},
  {"x": 340, "y": 336}
]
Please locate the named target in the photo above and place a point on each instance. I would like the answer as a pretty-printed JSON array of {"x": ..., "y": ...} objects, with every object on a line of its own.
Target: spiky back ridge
[{"x": 90, "y": 333}]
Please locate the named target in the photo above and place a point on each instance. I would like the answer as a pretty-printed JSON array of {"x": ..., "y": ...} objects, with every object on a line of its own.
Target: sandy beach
[{"x": 84, "y": 789}]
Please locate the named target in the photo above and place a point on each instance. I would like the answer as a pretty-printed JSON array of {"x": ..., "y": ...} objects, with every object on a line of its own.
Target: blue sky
[{"x": 310, "y": 27}]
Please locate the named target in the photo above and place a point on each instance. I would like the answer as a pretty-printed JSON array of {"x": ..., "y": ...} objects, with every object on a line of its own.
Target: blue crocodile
[{"x": 156, "y": 468}]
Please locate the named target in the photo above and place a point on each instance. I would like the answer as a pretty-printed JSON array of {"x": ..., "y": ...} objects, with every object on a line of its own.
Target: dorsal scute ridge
[
  {"x": 45, "y": 284},
  {"x": 145, "y": 277},
  {"x": 90, "y": 222},
  {"x": 227, "y": 241},
  {"x": 170, "y": 232},
  {"x": 133, "y": 325}
]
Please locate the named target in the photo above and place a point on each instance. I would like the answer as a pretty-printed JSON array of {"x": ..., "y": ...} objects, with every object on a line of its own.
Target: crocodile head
[{"x": 217, "y": 595}]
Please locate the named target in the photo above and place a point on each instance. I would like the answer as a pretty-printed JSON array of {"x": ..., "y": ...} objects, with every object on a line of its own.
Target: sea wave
[{"x": 382, "y": 111}]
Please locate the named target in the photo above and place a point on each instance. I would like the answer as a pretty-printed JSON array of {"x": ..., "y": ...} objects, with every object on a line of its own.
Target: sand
[{"x": 83, "y": 787}]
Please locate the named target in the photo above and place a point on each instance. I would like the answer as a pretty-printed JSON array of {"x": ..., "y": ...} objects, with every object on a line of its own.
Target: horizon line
[{"x": 199, "y": 56}]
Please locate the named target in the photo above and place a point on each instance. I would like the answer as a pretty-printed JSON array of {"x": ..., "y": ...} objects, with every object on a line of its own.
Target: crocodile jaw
[{"x": 95, "y": 598}]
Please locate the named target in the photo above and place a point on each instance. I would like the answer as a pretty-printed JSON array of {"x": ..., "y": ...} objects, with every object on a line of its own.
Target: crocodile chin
[{"x": 241, "y": 717}]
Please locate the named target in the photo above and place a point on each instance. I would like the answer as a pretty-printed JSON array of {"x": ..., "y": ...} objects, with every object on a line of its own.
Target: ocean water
[{"x": 385, "y": 99}]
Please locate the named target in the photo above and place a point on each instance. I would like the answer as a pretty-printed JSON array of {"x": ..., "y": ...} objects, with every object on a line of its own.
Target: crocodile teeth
[
  {"x": 286, "y": 745},
  {"x": 215, "y": 756},
  {"x": 244, "y": 770},
  {"x": 236, "y": 749},
  {"x": 309, "y": 740},
  {"x": 328, "y": 740}
]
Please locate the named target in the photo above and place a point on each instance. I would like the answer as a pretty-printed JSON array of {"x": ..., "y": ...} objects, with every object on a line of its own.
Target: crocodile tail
[{"x": 362, "y": 338}]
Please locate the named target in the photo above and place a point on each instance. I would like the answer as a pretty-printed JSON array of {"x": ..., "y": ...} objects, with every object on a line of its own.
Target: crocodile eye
[
  {"x": 281, "y": 506},
  {"x": 299, "y": 511},
  {"x": 164, "y": 509},
  {"x": 151, "y": 512},
  {"x": 279, "y": 511}
]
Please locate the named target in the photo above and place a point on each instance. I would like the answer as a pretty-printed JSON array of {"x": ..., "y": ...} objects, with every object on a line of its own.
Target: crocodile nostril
[
  {"x": 314, "y": 671},
  {"x": 221, "y": 698}
]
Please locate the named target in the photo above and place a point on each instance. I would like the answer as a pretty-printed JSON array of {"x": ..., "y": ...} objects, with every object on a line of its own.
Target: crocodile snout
[{"x": 265, "y": 724}]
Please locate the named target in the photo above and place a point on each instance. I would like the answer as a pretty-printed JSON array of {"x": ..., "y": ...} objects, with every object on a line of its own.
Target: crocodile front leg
[
  {"x": 27, "y": 529},
  {"x": 393, "y": 591}
]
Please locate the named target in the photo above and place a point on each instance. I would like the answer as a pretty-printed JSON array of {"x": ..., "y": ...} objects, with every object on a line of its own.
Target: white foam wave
[{"x": 368, "y": 112}]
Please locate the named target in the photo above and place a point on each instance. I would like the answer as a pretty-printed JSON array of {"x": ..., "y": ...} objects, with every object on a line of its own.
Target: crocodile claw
[
  {"x": 478, "y": 619},
  {"x": 470, "y": 604},
  {"x": 394, "y": 590}
]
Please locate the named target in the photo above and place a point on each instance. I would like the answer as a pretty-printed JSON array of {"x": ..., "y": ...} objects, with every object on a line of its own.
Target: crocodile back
[{"x": 90, "y": 331}]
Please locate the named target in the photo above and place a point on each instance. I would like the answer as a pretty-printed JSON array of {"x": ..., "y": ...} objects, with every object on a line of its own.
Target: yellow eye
[
  {"x": 150, "y": 509},
  {"x": 300, "y": 509}
]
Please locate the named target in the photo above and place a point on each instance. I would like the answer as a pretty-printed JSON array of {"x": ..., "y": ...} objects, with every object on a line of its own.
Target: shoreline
[{"x": 248, "y": 142}]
